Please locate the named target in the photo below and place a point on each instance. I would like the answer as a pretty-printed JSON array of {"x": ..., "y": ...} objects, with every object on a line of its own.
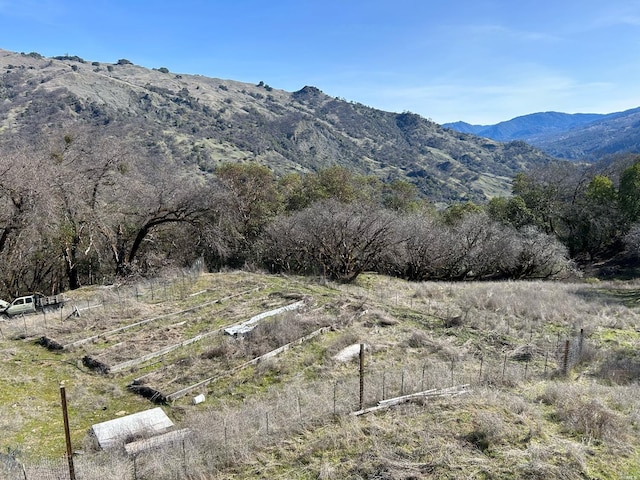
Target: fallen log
[
  {"x": 50, "y": 343},
  {"x": 94, "y": 364}
]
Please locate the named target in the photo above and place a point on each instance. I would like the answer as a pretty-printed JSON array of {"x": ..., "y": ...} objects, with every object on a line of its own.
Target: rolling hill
[{"x": 206, "y": 121}]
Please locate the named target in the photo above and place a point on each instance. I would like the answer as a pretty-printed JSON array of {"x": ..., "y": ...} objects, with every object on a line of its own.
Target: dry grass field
[{"x": 550, "y": 373}]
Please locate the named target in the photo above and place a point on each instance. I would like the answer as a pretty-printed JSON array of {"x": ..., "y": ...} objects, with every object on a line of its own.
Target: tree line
[
  {"x": 86, "y": 209},
  {"x": 594, "y": 210}
]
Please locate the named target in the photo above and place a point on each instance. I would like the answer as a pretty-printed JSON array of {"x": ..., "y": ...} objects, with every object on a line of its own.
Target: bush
[
  {"x": 337, "y": 240},
  {"x": 582, "y": 413}
]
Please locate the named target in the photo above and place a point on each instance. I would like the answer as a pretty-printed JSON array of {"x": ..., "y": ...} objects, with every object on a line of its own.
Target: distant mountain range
[
  {"x": 580, "y": 136},
  {"x": 201, "y": 122}
]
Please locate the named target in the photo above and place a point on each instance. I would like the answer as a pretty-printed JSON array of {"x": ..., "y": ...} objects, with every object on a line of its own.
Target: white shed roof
[{"x": 114, "y": 433}]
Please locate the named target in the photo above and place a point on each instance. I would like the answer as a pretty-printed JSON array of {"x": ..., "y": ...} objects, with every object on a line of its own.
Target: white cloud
[{"x": 504, "y": 33}]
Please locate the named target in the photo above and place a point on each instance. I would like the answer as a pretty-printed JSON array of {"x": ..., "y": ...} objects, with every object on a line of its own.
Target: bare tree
[
  {"x": 154, "y": 194},
  {"x": 23, "y": 220},
  {"x": 247, "y": 199},
  {"x": 477, "y": 247},
  {"x": 632, "y": 239},
  {"x": 331, "y": 238},
  {"x": 86, "y": 168}
]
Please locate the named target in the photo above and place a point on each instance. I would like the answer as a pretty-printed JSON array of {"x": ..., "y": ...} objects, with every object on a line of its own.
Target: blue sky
[{"x": 480, "y": 61}]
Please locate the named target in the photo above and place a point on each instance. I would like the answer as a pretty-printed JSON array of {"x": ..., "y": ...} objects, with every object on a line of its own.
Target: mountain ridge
[
  {"x": 577, "y": 136},
  {"x": 206, "y": 121}
]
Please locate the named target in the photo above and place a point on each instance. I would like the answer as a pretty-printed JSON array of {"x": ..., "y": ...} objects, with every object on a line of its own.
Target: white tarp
[
  {"x": 245, "y": 327},
  {"x": 349, "y": 352},
  {"x": 116, "y": 432}
]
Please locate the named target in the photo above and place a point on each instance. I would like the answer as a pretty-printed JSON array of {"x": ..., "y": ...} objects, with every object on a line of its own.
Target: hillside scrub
[
  {"x": 332, "y": 223},
  {"x": 592, "y": 210}
]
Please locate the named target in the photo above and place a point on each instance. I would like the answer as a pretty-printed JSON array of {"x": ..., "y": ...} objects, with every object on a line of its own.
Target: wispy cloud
[
  {"x": 504, "y": 33},
  {"x": 495, "y": 101}
]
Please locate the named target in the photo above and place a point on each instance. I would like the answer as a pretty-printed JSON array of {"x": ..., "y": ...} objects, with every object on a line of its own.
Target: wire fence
[
  {"x": 114, "y": 299},
  {"x": 223, "y": 436}
]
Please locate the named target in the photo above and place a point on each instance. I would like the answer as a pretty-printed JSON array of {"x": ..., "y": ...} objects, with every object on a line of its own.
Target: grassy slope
[{"x": 288, "y": 417}]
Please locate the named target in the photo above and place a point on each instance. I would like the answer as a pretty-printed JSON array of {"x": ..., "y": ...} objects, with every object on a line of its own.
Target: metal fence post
[{"x": 361, "y": 375}]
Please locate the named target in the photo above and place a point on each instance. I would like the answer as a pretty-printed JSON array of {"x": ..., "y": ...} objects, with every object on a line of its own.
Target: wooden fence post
[
  {"x": 67, "y": 434},
  {"x": 580, "y": 344}
]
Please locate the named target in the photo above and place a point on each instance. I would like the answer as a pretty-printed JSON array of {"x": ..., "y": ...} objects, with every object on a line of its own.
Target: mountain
[
  {"x": 207, "y": 121},
  {"x": 527, "y": 127},
  {"x": 611, "y": 134},
  {"x": 580, "y": 136}
]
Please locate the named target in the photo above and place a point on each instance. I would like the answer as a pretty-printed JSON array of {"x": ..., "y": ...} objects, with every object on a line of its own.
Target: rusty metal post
[
  {"x": 361, "y": 376},
  {"x": 67, "y": 433}
]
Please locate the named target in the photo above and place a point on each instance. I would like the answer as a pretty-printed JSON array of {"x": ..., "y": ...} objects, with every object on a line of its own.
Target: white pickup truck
[{"x": 31, "y": 304}]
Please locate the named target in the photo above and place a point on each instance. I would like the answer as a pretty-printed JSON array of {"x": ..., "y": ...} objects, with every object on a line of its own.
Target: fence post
[
  {"x": 504, "y": 366},
  {"x": 452, "y": 370},
  {"x": 565, "y": 359},
  {"x": 135, "y": 468},
  {"x": 226, "y": 438},
  {"x": 184, "y": 457},
  {"x": 361, "y": 375},
  {"x": 384, "y": 378},
  {"x": 546, "y": 360},
  {"x": 67, "y": 434},
  {"x": 580, "y": 344}
]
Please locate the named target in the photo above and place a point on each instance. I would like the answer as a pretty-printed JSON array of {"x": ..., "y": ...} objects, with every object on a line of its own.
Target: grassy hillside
[
  {"x": 204, "y": 121},
  {"x": 289, "y": 416}
]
